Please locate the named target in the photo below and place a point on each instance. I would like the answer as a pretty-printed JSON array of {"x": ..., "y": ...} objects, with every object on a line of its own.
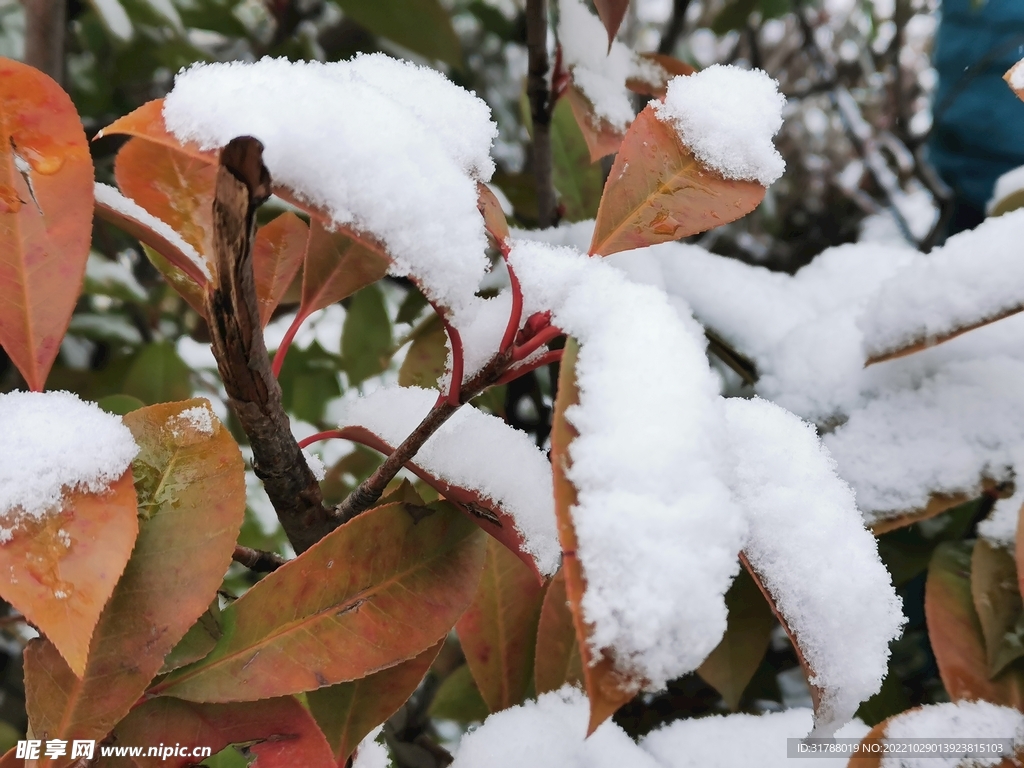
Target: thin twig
[
  {"x": 538, "y": 92},
  {"x": 674, "y": 28},
  {"x": 257, "y": 560}
]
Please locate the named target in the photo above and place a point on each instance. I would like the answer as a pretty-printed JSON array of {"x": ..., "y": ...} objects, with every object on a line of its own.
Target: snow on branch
[
  {"x": 55, "y": 443},
  {"x": 657, "y": 529},
  {"x": 961, "y": 719},
  {"x": 387, "y": 148},
  {"x": 808, "y": 546},
  {"x": 476, "y": 451},
  {"x": 976, "y": 278}
]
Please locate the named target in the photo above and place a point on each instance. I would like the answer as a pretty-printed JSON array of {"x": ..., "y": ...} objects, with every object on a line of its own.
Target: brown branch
[
  {"x": 371, "y": 489},
  {"x": 257, "y": 560},
  {"x": 45, "y": 25},
  {"x": 539, "y": 93},
  {"x": 920, "y": 344},
  {"x": 237, "y": 342},
  {"x": 674, "y": 28}
]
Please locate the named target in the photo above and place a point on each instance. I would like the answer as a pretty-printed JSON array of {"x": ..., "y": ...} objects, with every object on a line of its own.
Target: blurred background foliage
[{"x": 859, "y": 81}]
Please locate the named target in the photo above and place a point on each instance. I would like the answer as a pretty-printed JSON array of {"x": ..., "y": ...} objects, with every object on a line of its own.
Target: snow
[
  {"x": 371, "y": 753},
  {"x": 115, "y": 19},
  {"x": 600, "y": 74},
  {"x": 658, "y": 531},
  {"x": 199, "y": 418},
  {"x": 112, "y": 276},
  {"x": 975, "y": 276},
  {"x": 55, "y": 443},
  {"x": 476, "y": 451},
  {"x": 1016, "y": 76},
  {"x": 550, "y": 732},
  {"x": 803, "y": 523},
  {"x": 389, "y": 148},
  {"x": 731, "y": 741},
  {"x": 315, "y": 464},
  {"x": 1009, "y": 183},
  {"x": 1000, "y": 527},
  {"x": 110, "y": 196},
  {"x": 958, "y": 720},
  {"x": 727, "y": 116}
]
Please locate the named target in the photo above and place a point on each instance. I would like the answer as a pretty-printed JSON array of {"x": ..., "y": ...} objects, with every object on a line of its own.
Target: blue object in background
[{"x": 978, "y": 130}]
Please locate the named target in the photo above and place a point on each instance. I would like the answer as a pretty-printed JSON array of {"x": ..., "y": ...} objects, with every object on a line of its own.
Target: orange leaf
[
  {"x": 956, "y": 635},
  {"x": 602, "y": 138},
  {"x": 488, "y": 515},
  {"x": 191, "y": 489},
  {"x": 279, "y": 732},
  {"x": 607, "y": 688},
  {"x": 380, "y": 589},
  {"x": 174, "y": 187},
  {"x": 347, "y": 712},
  {"x": 276, "y": 257},
  {"x": 498, "y": 631},
  {"x": 657, "y": 191},
  {"x": 61, "y": 569},
  {"x": 1009, "y": 78},
  {"x": 494, "y": 218},
  {"x": 557, "y": 660},
  {"x": 147, "y": 122},
  {"x": 668, "y": 67},
  {"x": 46, "y": 202},
  {"x": 336, "y": 266},
  {"x": 612, "y": 12}
]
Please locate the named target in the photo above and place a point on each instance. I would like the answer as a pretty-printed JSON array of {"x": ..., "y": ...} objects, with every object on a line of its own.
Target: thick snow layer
[
  {"x": 657, "y": 528},
  {"x": 389, "y": 148},
  {"x": 112, "y": 197},
  {"x": 550, "y": 732},
  {"x": 476, "y": 451},
  {"x": 53, "y": 443},
  {"x": 1010, "y": 182},
  {"x": 1000, "y": 527},
  {"x": 727, "y": 116},
  {"x": 371, "y": 753},
  {"x": 599, "y": 73},
  {"x": 808, "y": 544},
  {"x": 732, "y": 741},
  {"x": 959, "y": 720},
  {"x": 976, "y": 275}
]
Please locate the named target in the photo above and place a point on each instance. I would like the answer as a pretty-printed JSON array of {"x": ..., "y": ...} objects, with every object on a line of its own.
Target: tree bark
[{"x": 237, "y": 341}]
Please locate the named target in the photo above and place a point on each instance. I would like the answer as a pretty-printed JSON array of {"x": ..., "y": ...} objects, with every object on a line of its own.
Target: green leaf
[
  {"x": 308, "y": 379},
  {"x": 158, "y": 375},
  {"x": 366, "y": 336},
  {"x": 733, "y": 16},
  {"x": 191, "y": 491},
  {"x": 498, "y": 631},
  {"x": 998, "y": 603},
  {"x": 578, "y": 181},
  {"x": 422, "y": 26},
  {"x": 381, "y": 589},
  {"x": 349, "y": 711},
  {"x": 120, "y": 404},
  {"x": 736, "y": 658},
  {"x": 198, "y": 641},
  {"x": 425, "y": 361},
  {"x": 412, "y": 305},
  {"x": 459, "y": 699}
]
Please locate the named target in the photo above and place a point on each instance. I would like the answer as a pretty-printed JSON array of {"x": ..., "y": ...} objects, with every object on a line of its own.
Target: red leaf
[
  {"x": 657, "y": 191},
  {"x": 174, "y": 187},
  {"x": 494, "y": 217},
  {"x": 498, "y": 631},
  {"x": 276, "y": 257},
  {"x": 61, "y": 569},
  {"x": 612, "y": 12},
  {"x": 336, "y": 266},
  {"x": 191, "y": 489},
  {"x": 347, "y": 712},
  {"x": 607, "y": 688},
  {"x": 46, "y": 203},
  {"x": 380, "y": 589},
  {"x": 668, "y": 67},
  {"x": 279, "y": 732},
  {"x": 602, "y": 138},
  {"x": 557, "y": 660}
]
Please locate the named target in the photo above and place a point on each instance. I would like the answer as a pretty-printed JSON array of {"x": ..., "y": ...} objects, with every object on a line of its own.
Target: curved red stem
[
  {"x": 547, "y": 358},
  {"x": 286, "y": 343},
  {"x": 516, "y": 316},
  {"x": 327, "y": 435},
  {"x": 539, "y": 340}
]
